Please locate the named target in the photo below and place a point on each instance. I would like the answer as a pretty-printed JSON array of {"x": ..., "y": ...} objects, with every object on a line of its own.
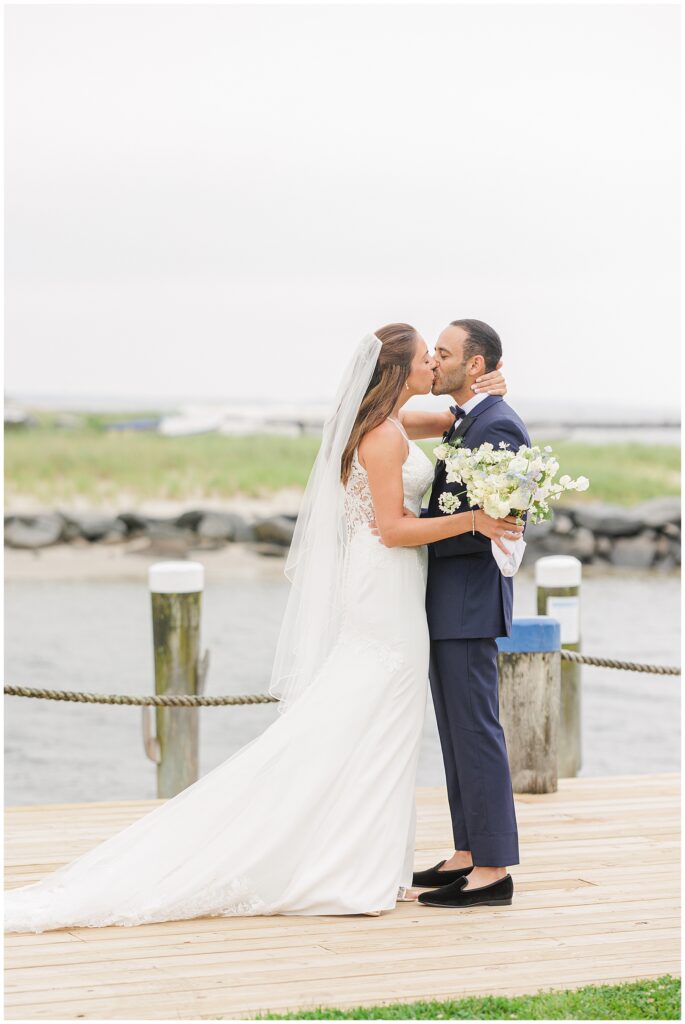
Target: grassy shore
[
  {"x": 53, "y": 465},
  {"x": 657, "y": 999}
]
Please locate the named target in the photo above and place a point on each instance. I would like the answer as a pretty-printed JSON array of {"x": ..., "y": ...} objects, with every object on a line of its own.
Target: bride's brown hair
[{"x": 389, "y": 377}]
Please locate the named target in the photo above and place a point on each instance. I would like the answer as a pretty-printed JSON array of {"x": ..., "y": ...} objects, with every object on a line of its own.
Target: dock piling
[
  {"x": 176, "y": 593},
  {"x": 529, "y": 692},
  {"x": 558, "y": 579}
]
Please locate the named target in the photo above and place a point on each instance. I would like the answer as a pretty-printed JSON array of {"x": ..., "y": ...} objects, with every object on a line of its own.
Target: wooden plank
[
  {"x": 431, "y": 971},
  {"x": 335, "y": 960},
  {"x": 581, "y": 915},
  {"x": 537, "y": 925},
  {"x": 218, "y": 999},
  {"x": 436, "y": 938}
]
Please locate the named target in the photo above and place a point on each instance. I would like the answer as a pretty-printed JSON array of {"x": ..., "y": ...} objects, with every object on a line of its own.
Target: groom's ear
[{"x": 478, "y": 365}]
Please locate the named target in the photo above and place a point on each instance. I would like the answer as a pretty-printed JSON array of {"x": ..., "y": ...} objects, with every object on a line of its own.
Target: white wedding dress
[{"x": 314, "y": 816}]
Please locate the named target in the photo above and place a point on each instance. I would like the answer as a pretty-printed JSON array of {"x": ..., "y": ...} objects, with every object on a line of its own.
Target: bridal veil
[{"x": 314, "y": 564}]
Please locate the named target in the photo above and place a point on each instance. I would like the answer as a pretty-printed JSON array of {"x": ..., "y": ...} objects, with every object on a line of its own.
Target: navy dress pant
[{"x": 465, "y": 688}]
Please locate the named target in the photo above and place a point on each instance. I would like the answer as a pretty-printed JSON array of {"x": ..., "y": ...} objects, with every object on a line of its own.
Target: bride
[{"x": 316, "y": 815}]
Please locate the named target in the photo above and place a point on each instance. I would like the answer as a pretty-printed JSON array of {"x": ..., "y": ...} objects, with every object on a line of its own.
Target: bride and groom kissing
[{"x": 316, "y": 816}]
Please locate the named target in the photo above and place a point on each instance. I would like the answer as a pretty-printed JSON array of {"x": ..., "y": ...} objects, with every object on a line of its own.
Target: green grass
[
  {"x": 54, "y": 465},
  {"x": 657, "y": 999}
]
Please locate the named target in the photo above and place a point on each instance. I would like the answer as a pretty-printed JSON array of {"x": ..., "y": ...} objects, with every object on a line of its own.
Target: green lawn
[
  {"x": 54, "y": 465},
  {"x": 657, "y": 999}
]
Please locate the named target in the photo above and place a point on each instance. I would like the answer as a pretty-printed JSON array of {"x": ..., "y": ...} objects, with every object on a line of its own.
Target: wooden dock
[{"x": 596, "y": 901}]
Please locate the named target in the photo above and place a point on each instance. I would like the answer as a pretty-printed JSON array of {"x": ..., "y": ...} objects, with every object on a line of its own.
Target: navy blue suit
[{"x": 469, "y": 604}]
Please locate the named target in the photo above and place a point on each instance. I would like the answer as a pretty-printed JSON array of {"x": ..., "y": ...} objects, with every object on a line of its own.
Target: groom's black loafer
[
  {"x": 497, "y": 894},
  {"x": 432, "y": 878}
]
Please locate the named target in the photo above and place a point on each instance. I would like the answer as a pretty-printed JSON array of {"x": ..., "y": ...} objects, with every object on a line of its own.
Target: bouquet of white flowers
[{"x": 504, "y": 482}]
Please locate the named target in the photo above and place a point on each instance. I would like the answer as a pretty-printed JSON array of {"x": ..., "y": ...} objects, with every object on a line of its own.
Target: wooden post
[
  {"x": 176, "y": 591},
  {"x": 529, "y": 683},
  {"x": 558, "y": 579}
]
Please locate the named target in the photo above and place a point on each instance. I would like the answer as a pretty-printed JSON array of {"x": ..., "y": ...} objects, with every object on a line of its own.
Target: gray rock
[
  {"x": 535, "y": 532},
  {"x": 671, "y": 530},
  {"x": 191, "y": 520},
  {"x": 153, "y": 526},
  {"x": 165, "y": 538},
  {"x": 676, "y": 551},
  {"x": 667, "y": 564},
  {"x": 276, "y": 530},
  {"x": 610, "y": 520},
  {"x": 659, "y": 512},
  {"x": 94, "y": 526},
  {"x": 38, "y": 531},
  {"x": 244, "y": 533},
  {"x": 581, "y": 544},
  {"x": 225, "y": 526},
  {"x": 635, "y": 552},
  {"x": 662, "y": 546},
  {"x": 562, "y": 524},
  {"x": 603, "y": 547},
  {"x": 134, "y": 522}
]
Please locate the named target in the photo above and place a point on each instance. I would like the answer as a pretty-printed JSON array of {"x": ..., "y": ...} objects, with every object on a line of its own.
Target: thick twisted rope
[
  {"x": 187, "y": 700},
  {"x": 170, "y": 700},
  {"x": 628, "y": 666}
]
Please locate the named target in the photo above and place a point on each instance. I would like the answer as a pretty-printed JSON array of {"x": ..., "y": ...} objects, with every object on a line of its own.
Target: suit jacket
[{"x": 466, "y": 595}]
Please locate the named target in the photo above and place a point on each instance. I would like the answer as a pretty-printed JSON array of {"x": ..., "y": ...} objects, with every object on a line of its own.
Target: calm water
[{"x": 98, "y": 636}]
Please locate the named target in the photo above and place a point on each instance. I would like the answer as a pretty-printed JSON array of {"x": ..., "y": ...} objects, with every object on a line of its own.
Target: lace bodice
[{"x": 417, "y": 473}]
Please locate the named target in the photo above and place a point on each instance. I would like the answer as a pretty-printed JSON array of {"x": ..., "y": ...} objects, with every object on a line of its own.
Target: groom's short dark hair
[{"x": 482, "y": 340}]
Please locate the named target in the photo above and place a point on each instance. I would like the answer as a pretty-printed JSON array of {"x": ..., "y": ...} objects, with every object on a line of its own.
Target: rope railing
[
  {"x": 627, "y": 666},
  {"x": 183, "y": 700},
  {"x": 165, "y": 700}
]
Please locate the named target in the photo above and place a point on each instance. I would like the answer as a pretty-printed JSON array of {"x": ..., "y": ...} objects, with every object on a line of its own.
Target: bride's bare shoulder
[{"x": 384, "y": 441}]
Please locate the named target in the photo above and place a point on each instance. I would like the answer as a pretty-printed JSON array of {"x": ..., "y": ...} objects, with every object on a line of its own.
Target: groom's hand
[{"x": 374, "y": 528}]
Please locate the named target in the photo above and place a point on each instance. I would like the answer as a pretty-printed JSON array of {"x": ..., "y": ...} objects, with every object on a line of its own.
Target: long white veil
[{"x": 314, "y": 564}]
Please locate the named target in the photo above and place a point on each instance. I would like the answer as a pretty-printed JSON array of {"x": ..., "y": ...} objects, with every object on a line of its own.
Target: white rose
[
  {"x": 582, "y": 483},
  {"x": 518, "y": 465},
  {"x": 520, "y": 499},
  {"x": 496, "y": 507}
]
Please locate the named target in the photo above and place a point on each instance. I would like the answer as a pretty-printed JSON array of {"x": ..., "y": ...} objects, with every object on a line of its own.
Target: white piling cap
[
  {"x": 176, "y": 577},
  {"x": 558, "y": 571}
]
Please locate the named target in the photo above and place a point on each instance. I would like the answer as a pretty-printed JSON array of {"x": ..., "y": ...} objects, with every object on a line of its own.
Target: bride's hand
[
  {"x": 491, "y": 383},
  {"x": 498, "y": 529},
  {"x": 374, "y": 528}
]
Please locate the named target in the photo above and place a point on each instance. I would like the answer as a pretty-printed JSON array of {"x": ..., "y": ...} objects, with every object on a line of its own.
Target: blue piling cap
[{"x": 538, "y": 633}]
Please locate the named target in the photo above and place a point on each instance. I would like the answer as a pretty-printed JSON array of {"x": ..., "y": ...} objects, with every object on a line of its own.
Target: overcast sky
[{"x": 219, "y": 201}]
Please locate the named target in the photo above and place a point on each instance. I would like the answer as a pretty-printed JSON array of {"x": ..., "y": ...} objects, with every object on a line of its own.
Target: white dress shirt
[{"x": 470, "y": 404}]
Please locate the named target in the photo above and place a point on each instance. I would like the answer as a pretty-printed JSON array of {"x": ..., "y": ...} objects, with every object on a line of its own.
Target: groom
[{"x": 469, "y": 604}]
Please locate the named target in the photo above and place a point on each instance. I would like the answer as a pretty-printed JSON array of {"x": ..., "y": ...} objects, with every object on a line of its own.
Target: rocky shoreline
[
  {"x": 644, "y": 537},
  {"x": 647, "y": 536}
]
